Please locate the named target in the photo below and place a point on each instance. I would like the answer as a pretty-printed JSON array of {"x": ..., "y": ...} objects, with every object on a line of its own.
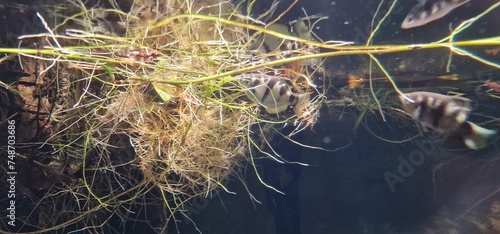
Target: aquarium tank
[{"x": 250, "y": 116}]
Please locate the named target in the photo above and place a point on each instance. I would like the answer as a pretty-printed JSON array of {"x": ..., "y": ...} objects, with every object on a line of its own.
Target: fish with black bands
[
  {"x": 273, "y": 93},
  {"x": 446, "y": 115},
  {"x": 429, "y": 10}
]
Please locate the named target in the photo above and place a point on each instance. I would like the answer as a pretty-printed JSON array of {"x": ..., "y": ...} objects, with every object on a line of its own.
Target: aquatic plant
[{"x": 147, "y": 108}]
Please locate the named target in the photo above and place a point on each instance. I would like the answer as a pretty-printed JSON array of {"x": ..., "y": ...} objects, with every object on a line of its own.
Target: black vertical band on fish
[
  {"x": 446, "y": 115},
  {"x": 273, "y": 93},
  {"x": 429, "y": 10}
]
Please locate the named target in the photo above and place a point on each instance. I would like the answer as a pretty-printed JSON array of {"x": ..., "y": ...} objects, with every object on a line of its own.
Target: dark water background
[{"x": 347, "y": 191}]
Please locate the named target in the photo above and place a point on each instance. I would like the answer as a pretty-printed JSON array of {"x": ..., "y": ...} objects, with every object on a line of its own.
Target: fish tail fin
[
  {"x": 476, "y": 137},
  {"x": 303, "y": 100}
]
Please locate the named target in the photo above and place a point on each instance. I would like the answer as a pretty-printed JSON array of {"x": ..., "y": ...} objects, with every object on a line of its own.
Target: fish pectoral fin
[
  {"x": 303, "y": 100},
  {"x": 275, "y": 109},
  {"x": 477, "y": 137}
]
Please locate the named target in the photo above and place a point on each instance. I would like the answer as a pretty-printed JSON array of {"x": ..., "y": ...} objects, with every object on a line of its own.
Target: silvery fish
[
  {"x": 273, "y": 93},
  {"x": 270, "y": 47},
  {"x": 268, "y": 43},
  {"x": 429, "y": 10},
  {"x": 446, "y": 115}
]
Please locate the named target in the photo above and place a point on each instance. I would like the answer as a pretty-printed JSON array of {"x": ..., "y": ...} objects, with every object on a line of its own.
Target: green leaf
[{"x": 164, "y": 91}]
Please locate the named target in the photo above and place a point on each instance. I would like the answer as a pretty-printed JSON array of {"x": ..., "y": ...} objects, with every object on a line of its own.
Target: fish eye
[{"x": 410, "y": 19}]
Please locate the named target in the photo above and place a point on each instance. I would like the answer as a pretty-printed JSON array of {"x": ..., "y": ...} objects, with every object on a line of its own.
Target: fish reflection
[{"x": 429, "y": 10}]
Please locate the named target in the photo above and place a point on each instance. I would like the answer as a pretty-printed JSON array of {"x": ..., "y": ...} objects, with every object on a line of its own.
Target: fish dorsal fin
[{"x": 461, "y": 101}]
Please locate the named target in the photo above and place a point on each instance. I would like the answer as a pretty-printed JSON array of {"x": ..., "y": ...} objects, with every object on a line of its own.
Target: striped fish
[
  {"x": 446, "y": 115},
  {"x": 273, "y": 93},
  {"x": 429, "y": 10}
]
